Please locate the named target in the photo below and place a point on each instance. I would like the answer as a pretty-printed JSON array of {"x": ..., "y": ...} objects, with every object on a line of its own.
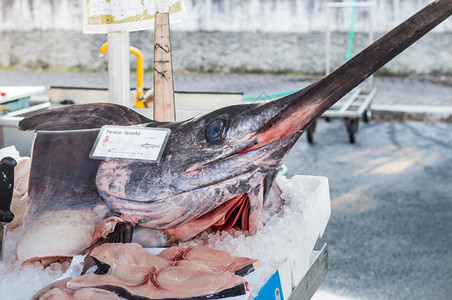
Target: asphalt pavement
[{"x": 389, "y": 234}]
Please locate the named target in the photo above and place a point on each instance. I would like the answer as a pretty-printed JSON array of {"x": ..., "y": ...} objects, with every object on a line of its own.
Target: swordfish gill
[{"x": 217, "y": 171}]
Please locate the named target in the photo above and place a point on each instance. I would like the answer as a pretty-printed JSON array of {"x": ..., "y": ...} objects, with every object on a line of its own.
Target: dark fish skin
[
  {"x": 231, "y": 292},
  {"x": 231, "y": 151},
  {"x": 75, "y": 118},
  {"x": 51, "y": 153}
]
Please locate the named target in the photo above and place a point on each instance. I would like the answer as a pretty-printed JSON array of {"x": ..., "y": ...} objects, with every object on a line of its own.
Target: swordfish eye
[{"x": 215, "y": 131}]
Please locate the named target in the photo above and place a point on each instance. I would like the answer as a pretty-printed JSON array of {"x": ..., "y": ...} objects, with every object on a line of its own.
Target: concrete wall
[{"x": 220, "y": 36}]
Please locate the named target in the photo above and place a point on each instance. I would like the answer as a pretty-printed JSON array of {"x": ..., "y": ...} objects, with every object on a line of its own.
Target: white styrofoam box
[{"x": 316, "y": 217}]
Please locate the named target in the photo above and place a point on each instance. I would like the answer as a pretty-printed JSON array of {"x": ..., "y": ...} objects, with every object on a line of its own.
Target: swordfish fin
[{"x": 85, "y": 116}]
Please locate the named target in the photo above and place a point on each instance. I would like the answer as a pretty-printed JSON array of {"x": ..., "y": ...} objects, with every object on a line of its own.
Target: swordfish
[{"x": 217, "y": 170}]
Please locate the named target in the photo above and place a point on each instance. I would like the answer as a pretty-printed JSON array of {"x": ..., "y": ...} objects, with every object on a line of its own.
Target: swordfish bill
[
  {"x": 221, "y": 165},
  {"x": 309, "y": 103}
]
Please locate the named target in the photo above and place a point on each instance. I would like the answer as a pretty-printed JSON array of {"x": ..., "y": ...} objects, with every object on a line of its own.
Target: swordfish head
[
  {"x": 209, "y": 160},
  {"x": 229, "y": 155}
]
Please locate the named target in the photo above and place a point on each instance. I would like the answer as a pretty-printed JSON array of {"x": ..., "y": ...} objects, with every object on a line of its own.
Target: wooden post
[{"x": 164, "y": 108}]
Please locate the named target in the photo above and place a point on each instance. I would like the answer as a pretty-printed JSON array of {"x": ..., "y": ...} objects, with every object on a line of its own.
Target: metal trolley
[
  {"x": 356, "y": 104},
  {"x": 351, "y": 108}
]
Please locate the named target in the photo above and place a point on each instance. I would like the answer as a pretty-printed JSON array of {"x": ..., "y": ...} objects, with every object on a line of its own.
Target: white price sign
[
  {"x": 102, "y": 16},
  {"x": 130, "y": 142}
]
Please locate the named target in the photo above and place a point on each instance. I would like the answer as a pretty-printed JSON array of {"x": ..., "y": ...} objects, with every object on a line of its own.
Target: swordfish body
[{"x": 225, "y": 162}]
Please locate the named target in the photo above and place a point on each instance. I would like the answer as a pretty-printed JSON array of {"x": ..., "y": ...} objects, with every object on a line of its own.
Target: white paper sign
[
  {"x": 102, "y": 16},
  {"x": 130, "y": 142}
]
